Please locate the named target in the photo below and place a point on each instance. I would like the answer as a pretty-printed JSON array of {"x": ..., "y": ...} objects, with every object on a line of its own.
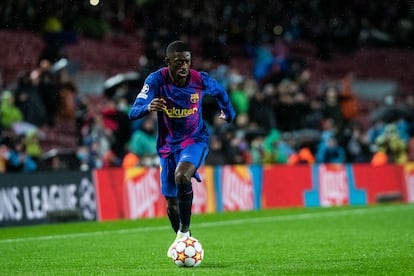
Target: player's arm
[
  {"x": 145, "y": 102},
  {"x": 215, "y": 89}
]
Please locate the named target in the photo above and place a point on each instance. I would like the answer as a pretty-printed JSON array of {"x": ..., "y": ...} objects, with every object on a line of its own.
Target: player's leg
[
  {"x": 190, "y": 159},
  {"x": 183, "y": 174},
  {"x": 172, "y": 212},
  {"x": 169, "y": 190}
]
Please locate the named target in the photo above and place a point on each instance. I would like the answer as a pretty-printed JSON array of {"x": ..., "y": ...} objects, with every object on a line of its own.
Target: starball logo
[{"x": 180, "y": 113}]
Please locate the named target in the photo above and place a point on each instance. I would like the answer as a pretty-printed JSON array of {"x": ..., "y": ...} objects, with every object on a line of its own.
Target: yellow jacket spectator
[
  {"x": 9, "y": 113},
  {"x": 392, "y": 145},
  {"x": 33, "y": 148}
]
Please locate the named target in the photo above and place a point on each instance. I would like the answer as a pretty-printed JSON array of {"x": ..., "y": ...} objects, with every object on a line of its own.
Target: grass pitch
[{"x": 366, "y": 240}]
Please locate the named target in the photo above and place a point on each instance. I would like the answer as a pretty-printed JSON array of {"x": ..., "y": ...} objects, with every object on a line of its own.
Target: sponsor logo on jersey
[
  {"x": 144, "y": 91},
  {"x": 180, "y": 113}
]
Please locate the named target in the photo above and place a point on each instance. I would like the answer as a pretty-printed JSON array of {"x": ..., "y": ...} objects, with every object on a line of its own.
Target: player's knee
[{"x": 181, "y": 178}]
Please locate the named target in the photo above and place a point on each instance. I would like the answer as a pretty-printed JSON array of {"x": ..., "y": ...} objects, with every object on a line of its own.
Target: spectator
[
  {"x": 238, "y": 95},
  {"x": 216, "y": 155},
  {"x": 304, "y": 156},
  {"x": 257, "y": 149},
  {"x": 66, "y": 102},
  {"x": 143, "y": 142},
  {"x": 276, "y": 151},
  {"x": 302, "y": 110},
  {"x": 331, "y": 108},
  {"x": 110, "y": 159},
  {"x": 96, "y": 142},
  {"x": 33, "y": 147},
  {"x": 373, "y": 132},
  {"x": 314, "y": 118},
  {"x": 117, "y": 125},
  {"x": 348, "y": 99},
  {"x": 28, "y": 99},
  {"x": 237, "y": 147},
  {"x": 9, "y": 113},
  {"x": 261, "y": 109},
  {"x": 47, "y": 90},
  {"x": 357, "y": 147},
  {"x": 130, "y": 160},
  {"x": 285, "y": 112},
  {"x": 328, "y": 130},
  {"x": 17, "y": 160},
  {"x": 82, "y": 154},
  {"x": 392, "y": 145},
  {"x": 330, "y": 151},
  {"x": 379, "y": 159}
]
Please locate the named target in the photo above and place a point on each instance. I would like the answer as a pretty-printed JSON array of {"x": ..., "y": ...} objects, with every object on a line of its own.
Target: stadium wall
[{"x": 111, "y": 194}]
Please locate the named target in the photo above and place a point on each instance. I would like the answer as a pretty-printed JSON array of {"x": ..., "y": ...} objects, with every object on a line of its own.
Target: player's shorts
[{"x": 195, "y": 154}]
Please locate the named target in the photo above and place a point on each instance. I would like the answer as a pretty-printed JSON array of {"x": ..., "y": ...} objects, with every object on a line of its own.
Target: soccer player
[{"x": 175, "y": 92}]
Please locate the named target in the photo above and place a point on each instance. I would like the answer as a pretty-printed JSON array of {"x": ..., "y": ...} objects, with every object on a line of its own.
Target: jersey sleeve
[
  {"x": 215, "y": 89},
  {"x": 140, "y": 106}
]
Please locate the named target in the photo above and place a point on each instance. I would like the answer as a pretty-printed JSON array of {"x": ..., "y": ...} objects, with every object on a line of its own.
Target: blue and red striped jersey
[{"x": 181, "y": 123}]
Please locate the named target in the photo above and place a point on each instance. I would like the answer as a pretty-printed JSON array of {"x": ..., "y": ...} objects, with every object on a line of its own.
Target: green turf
[{"x": 373, "y": 240}]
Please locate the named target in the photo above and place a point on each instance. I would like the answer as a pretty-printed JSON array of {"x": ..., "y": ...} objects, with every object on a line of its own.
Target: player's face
[{"x": 179, "y": 64}]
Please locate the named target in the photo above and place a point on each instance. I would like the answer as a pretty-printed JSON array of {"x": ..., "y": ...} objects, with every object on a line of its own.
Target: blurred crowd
[
  {"x": 279, "y": 120},
  {"x": 331, "y": 25}
]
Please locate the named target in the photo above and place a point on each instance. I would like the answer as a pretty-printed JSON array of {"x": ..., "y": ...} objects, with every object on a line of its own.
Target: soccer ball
[{"x": 187, "y": 252}]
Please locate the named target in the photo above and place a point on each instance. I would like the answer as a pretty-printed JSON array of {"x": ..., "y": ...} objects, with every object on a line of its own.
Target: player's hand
[
  {"x": 157, "y": 104},
  {"x": 222, "y": 116}
]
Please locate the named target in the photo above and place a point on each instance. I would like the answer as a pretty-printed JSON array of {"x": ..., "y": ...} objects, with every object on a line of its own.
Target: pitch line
[{"x": 325, "y": 214}]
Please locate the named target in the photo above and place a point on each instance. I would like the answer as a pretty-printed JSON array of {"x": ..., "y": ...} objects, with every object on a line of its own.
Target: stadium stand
[{"x": 133, "y": 42}]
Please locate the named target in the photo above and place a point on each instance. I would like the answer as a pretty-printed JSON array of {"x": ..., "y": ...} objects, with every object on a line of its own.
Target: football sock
[
  {"x": 172, "y": 212},
  {"x": 185, "y": 201},
  {"x": 174, "y": 218}
]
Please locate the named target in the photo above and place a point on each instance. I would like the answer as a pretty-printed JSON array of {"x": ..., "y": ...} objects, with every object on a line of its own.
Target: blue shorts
[{"x": 195, "y": 154}]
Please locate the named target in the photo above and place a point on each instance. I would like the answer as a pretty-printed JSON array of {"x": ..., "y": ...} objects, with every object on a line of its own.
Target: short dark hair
[{"x": 177, "y": 46}]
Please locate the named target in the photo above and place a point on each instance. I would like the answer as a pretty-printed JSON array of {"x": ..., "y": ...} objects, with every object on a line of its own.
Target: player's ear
[{"x": 166, "y": 60}]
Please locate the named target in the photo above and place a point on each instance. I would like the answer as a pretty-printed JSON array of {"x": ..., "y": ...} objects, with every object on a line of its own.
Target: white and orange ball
[{"x": 187, "y": 252}]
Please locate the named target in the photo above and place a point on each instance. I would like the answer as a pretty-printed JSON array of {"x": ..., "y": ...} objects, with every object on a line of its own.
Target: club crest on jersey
[
  {"x": 144, "y": 91},
  {"x": 194, "y": 98}
]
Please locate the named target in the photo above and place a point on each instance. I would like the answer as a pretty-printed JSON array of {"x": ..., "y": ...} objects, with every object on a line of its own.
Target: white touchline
[{"x": 324, "y": 214}]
